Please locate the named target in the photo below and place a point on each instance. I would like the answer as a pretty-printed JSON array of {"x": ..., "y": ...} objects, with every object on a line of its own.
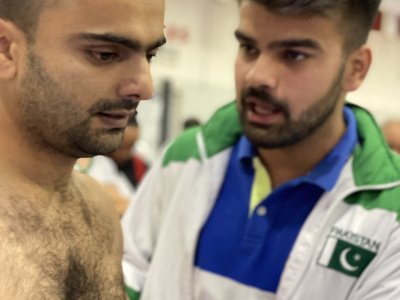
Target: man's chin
[{"x": 99, "y": 149}]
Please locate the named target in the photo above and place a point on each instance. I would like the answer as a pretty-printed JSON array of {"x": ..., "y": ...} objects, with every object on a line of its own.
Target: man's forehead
[
  {"x": 107, "y": 10},
  {"x": 259, "y": 22},
  {"x": 142, "y": 20}
]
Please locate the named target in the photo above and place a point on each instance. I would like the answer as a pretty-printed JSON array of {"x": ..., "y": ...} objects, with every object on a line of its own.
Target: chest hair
[{"x": 66, "y": 247}]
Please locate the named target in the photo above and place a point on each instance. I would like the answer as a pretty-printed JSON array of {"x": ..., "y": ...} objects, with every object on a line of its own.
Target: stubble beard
[
  {"x": 290, "y": 132},
  {"x": 48, "y": 116}
]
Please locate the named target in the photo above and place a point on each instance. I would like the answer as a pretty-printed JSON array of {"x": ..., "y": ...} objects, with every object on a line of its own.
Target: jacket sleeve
[
  {"x": 382, "y": 280},
  {"x": 140, "y": 225},
  {"x": 131, "y": 294}
]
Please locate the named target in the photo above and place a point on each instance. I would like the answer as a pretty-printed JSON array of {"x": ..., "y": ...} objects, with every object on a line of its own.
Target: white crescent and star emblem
[
  {"x": 348, "y": 252},
  {"x": 345, "y": 263}
]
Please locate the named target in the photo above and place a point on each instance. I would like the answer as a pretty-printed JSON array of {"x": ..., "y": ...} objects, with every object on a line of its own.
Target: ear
[
  {"x": 10, "y": 41},
  {"x": 357, "y": 67}
]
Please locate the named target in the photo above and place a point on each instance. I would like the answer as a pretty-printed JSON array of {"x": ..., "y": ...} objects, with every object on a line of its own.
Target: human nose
[
  {"x": 137, "y": 82},
  {"x": 263, "y": 72}
]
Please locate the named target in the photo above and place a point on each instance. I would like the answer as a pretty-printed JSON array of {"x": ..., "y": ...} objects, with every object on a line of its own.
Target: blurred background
[{"x": 193, "y": 73}]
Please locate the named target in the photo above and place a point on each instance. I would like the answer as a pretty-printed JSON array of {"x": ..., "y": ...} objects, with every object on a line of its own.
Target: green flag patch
[{"x": 345, "y": 257}]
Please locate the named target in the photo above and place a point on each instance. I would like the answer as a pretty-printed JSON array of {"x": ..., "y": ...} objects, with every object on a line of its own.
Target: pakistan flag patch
[{"x": 347, "y": 252}]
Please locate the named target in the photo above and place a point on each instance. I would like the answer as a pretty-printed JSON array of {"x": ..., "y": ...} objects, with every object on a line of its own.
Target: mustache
[
  {"x": 264, "y": 96},
  {"x": 110, "y": 105}
]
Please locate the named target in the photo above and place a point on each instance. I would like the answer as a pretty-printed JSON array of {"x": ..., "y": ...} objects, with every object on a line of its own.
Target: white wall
[
  {"x": 201, "y": 68},
  {"x": 380, "y": 92}
]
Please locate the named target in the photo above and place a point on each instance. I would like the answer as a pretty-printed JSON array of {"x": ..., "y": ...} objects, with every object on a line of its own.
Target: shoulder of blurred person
[
  {"x": 130, "y": 163},
  {"x": 391, "y": 132}
]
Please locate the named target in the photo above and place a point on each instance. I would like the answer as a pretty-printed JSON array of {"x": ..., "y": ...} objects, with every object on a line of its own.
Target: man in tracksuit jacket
[{"x": 289, "y": 193}]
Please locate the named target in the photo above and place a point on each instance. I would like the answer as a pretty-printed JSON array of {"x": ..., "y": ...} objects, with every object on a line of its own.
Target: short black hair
[
  {"x": 24, "y": 14},
  {"x": 191, "y": 122},
  {"x": 355, "y": 17}
]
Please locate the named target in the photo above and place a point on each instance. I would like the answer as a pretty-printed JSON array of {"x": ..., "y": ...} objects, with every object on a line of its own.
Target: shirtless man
[{"x": 71, "y": 74}]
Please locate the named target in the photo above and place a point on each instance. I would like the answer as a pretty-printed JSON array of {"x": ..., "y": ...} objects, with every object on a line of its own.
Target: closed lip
[
  {"x": 118, "y": 113},
  {"x": 116, "y": 119}
]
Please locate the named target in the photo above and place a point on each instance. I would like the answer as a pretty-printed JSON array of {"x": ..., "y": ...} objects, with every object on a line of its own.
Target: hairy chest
[{"x": 68, "y": 252}]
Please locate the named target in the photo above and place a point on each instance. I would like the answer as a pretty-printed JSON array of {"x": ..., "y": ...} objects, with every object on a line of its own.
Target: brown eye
[
  {"x": 291, "y": 55},
  {"x": 248, "y": 49},
  {"x": 106, "y": 56}
]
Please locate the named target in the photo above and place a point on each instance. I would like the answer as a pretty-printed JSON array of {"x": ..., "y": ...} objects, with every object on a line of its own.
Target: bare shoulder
[{"x": 101, "y": 205}]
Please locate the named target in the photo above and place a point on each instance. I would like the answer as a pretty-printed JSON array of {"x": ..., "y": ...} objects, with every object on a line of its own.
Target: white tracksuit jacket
[{"x": 348, "y": 248}]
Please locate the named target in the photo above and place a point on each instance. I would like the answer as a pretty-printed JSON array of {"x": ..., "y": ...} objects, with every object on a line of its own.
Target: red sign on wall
[
  {"x": 177, "y": 34},
  {"x": 377, "y": 22}
]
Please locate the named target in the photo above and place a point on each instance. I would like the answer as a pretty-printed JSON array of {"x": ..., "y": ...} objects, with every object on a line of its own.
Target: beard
[
  {"x": 54, "y": 117},
  {"x": 291, "y": 131}
]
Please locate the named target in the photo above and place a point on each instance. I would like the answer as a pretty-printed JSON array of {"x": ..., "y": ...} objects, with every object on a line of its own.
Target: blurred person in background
[
  {"x": 191, "y": 122},
  {"x": 71, "y": 74},
  {"x": 288, "y": 193},
  {"x": 391, "y": 132},
  {"x": 129, "y": 163}
]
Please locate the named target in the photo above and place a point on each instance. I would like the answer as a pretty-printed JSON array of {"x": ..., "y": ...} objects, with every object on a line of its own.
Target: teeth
[{"x": 262, "y": 110}]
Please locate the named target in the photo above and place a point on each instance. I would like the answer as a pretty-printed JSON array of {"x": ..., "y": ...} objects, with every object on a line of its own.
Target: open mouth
[
  {"x": 263, "y": 113},
  {"x": 265, "y": 110}
]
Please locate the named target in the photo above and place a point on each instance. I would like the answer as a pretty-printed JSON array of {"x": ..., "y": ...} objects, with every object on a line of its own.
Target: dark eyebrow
[
  {"x": 294, "y": 43},
  {"x": 123, "y": 41},
  {"x": 243, "y": 37},
  {"x": 289, "y": 43}
]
